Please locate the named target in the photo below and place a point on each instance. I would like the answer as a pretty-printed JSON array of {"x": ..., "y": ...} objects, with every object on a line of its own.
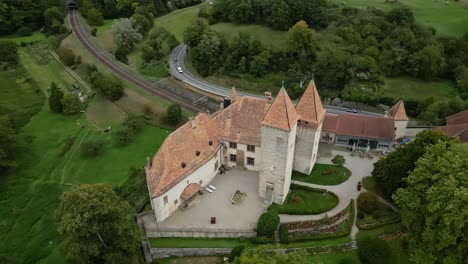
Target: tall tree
[
  {"x": 99, "y": 226},
  {"x": 71, "y": 104},
  {"x": 8, "y": 52},
  {"x": 434, "y": 205},
  {"x": 125, "y": 34},
  {"x": 94, "y": 17},
  {"x": 280, "y": 17},
  {"x": 174, "y": 114},
  {"x": 302, "y": 44},
  {"x": 55, "y": 98},
  {"x": 110, "y": 86},
  {"x": 390, "y": 172},
  {"x": 208, "y": 55},
  {"x": 428, "y": 63}
]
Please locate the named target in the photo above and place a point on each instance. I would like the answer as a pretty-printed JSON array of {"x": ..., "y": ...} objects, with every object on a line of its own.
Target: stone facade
[
  {"x": 278, "y": 154},
  {"x": 305, "y": 154},
  {"x": 400, "y": 128}
]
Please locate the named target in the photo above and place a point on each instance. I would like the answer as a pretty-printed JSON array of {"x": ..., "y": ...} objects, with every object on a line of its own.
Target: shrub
[
  {"x": 372, "y": 249},
  {"x": 174, "y": 114},
  {"x": 367, "y": 202},
  {"x": 24, "y": 31},
  {"x": 262, "y": 240},
  {"x": 338, "y": 160},
  {"x": 235, "y": 253},
  {"x": 267, "y": 224},
  {"x": 121, "y": 56},
  {"x": 94, "y": 31},
  {"x": 360, "y": 215},
  {"x": 124, "y": 136},
  {"x": 66, "y": 56},
  {"x": 92, "y": 148},
  {"x": 71, "y": 104},
  {"x": 284, "y": 234}
]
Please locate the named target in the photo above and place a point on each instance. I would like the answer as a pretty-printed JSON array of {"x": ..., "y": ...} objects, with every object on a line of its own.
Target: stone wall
[
  {"x": 158, "y": 253},
  {"x": 199, "y": 232}
]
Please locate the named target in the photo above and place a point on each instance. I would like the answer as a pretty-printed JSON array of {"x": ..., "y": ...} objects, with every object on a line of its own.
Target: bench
[
  {"x": 209, "y": 190},
  {"x": 212, "y": 187}
]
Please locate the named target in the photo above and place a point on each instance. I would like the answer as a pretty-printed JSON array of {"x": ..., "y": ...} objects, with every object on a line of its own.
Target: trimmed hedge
[
  {"x": 372, "y": 249},
  {"x": 367, "y": 202},
  {"x": 267, "y": 224},
  {"x": 284, "y": 234},
  {"x": 235, "y": 253},
  {"x": 262, "y": 240}
]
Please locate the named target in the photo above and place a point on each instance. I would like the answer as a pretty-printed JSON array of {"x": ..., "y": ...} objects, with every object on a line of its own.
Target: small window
[
  {"x": 250, "y": 148},
  {"x": 233, "y": 145},
  {"x": 188, "y": 182},
  {"x": 232, "y": 157},
  {"x": 165, "y": 200},
  {"x": 176, "y": 201},
  {"x": 200, "y": 182},
  {"x": 216, "y": 166},
  {"x": 250, "y": 161}
]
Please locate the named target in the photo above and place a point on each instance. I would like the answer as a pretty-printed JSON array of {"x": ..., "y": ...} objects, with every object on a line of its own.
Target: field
[
  {"x": 410, "y": 88},
  {"x": 448, "y": 19},
  {"x": 338, "y": 175}
]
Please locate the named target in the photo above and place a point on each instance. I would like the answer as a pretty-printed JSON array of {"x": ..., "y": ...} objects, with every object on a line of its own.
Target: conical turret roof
[
  {"x": 233, "y": 95},
  {"x": 310, "y": 106},
  {"x": 397, "y": 112},
  {"x": 281, "y": 113}
]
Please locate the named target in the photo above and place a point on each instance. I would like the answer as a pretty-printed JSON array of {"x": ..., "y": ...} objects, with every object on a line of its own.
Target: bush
[
  {"x": 367, "y": 202},
  {"x": 284, "y": 234},
  {"x": 262, "y": 240},
  {"x": 94, "y": 31},
  {"x": 360, "y": 215},
  {"x": 24, "y": 31},
  {"x": 372, "y": 249},
  {"x": 71, "y": 104},
  {"x": 174, "y": 114},
  {"x": 267, "y": 224},
  {"x": 92, "y": 148},
  {"x": 66, "y": 56},
  {"x": 124, "y": 136},
  {"x": 235, "y": 253},
  {"x": 338, "y": 160}
]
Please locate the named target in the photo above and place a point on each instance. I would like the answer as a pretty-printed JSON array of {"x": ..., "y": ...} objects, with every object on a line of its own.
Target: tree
[
  {"x": 372, "y": 249},
  {"x": 66, "y": 56},
  {"x": 110, "y": 86},
  {"x": 390, "y": 172},
  {"x": 208, "y": 55},
  {"x": 280, "y": 17},
  {"x": 125, "y": 34},
  {"x": 367, "y": 202},
  {"x": 194, "y": 32},
  {"x": 8, "y": 144},
  {"x": 71, "y": 104},
  {"x": 99, "y": 226},
  {"x": 434, "y": 205},
  {"x": 402, "y": 17},
  {"x": 55, "y": 98},
  {"x": 331, "y": 69},
  {"x": 260, "y": 63},
  {"x": 339, "y": 161},
  {"x": 267, "y": 224},
  {"x": 428, "y": 63},
  {"x": 174, "y": 114},
  {"x": 121, "y": 55},
  {"x": 302, "y": 44},
  {"x": 142, "y": 23},
  {"x": 266, "y": 255},
  {"x": 53, "y": 20},
  {"x": 94, "y": 17},
  {"x": 8, "y": 52},
  {"x": 92, "y": 148}
]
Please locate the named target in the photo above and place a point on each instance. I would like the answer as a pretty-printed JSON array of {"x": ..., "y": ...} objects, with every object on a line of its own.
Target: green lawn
[
  {"x": 179, "y": 242},
  {"x": 339, "y": 175},
  {"x": 448, "y": 19},
  {"x": 312, "y": 201},
  {"x": 36, "y": 36},
  {"x": 274, "y": 39},
  {"x": 113, "y": 164},
  {"x": 411, "y": 88},
  {"x": 177, "y": 21}
]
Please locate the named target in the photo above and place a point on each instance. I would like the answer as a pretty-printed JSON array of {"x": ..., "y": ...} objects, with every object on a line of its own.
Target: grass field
[
  {"x": 448, "y": 19},
  {"x": 36, "y": 36},
  {"x": 339, "y": 175},
  {"x": 410, "y": 88},
  {"x": 313, "y": 202}
]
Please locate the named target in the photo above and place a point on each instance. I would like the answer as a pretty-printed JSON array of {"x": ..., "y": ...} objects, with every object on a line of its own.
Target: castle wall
[
  {"x": 256, "y": 155},
  {"x": 400, "y": 128},
  {"x": 305, "y": 153},
  {"x": 203, "y": 176},
  {"x": 278, "y": 154}
]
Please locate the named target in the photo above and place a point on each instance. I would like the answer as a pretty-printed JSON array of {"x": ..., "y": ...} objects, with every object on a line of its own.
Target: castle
[{"x": 273, "y": 137}]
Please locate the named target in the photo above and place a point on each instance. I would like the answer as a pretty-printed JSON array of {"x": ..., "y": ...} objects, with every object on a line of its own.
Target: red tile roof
[
  {"x": 190, "y": 190},
  {"x": 456, "y": 131},
  {"x": 458, "y": 118},
  {"x": 360, "y": 126},
  {"x": 310, "y": 106},
  {"x": 281, "y": 113},
  {"x": 233, "y": 96},
  {"x": 398, "y": 112}
]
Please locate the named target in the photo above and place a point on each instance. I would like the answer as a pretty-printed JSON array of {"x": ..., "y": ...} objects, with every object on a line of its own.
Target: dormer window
[
  {"x": 210, "y": 143},
  {"x": 298, "y": 121},
  {"x": 183, "y": 164},
  {"x": 197, "y": 153}
]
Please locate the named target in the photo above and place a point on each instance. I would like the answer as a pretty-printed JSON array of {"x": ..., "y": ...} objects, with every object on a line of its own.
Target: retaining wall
[
  {"x": 199, "y": 232},
  {"x": 158, "y": 253}
]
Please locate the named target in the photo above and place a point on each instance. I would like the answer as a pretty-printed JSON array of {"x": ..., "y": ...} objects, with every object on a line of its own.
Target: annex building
[{"x": 271, "y": 136}]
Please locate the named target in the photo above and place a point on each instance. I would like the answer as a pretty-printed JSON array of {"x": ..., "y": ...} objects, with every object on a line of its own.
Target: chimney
[
  {"x": 268, "y": 96},
  {"x": 221, "y": 106},
  {"x": 192, "y": 121}
]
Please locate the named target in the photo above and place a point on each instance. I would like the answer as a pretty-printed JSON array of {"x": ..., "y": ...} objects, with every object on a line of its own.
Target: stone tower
[
  {"x": 309, "y": 129},
  {"x": 278, "y": 142},
  {"x": 398, "y": 114}
]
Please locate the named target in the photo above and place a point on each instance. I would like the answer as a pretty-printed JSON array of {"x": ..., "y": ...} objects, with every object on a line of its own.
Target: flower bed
[
  {"x": 381, "y": 215},
  {"x": 336, "y": 226},
  {"x": 237, "y": 197}
]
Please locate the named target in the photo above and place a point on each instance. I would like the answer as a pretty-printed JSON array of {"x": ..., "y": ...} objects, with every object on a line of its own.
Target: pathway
[{"x": 346, "y": 191}]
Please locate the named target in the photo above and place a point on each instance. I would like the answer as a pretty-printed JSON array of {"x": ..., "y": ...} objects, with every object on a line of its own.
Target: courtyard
[{"x": 218, "y": 204}]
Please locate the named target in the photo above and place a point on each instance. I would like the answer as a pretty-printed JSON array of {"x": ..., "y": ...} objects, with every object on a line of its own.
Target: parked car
[
  {"x": 359, "y": 185},
  {"x": 179, "y": 69},
  {"x": 351, "y": 110}
]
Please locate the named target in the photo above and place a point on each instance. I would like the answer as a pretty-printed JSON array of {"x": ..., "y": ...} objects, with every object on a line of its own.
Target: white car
[{"x": 179, "y": 69}]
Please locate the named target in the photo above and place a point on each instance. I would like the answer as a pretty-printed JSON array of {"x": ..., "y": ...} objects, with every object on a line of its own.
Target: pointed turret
[
  {"x": 310, "y": 106},
  {"x": 397, "y": 112},
  {"x": 233, "y": 95},
  {"x": 281, "y": 113}
]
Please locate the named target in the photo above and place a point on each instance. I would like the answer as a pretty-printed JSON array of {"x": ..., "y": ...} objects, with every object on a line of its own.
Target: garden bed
[
  {"x": 382, "y": 215},
  {"x": 324, "y": 174},
  {"x": 306, "y": 200},
  {"x": 237, "y": 197},
  {"x": 338, "y": 225}
]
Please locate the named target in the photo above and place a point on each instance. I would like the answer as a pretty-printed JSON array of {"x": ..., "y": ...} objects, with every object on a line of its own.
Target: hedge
[
  {"x": 267, "y": 224},
  {"x": 284, "y": 234},
  {"x": 235, "y": 253}
]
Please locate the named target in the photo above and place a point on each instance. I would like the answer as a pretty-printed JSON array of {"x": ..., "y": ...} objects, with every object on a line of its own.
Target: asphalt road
[
  {"x": 178, "y": 60},
  {"x": 118, "y": 70}
]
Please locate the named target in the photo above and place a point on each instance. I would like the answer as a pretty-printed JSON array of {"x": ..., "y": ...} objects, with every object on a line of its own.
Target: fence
[{"x": 199, "y": 232}]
